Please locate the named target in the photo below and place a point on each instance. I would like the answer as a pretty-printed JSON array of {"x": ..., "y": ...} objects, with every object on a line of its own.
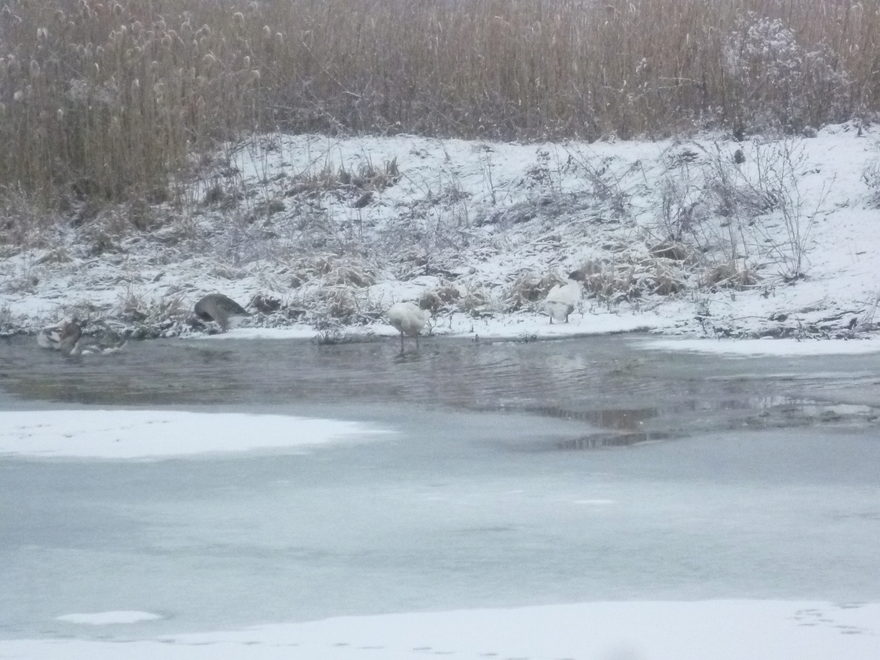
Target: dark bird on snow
[{"x": 223, "y": 310}]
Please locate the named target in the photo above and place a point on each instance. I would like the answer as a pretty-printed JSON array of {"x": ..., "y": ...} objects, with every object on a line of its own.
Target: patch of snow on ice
[
  {"x": 108, "y": 618},
  {"x": 149, "y": 434},
  {"x": 753, "y": 347}
]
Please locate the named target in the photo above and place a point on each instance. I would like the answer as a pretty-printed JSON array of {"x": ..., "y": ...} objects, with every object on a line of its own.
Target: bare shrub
[
  {"x": 761, "y": 208},
  {"x": 606, "y": 182},
  {"x": 779, "y": 170},
  {"x": 682, "y": 208}
]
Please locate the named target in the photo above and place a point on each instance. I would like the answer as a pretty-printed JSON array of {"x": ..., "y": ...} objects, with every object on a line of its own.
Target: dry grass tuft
[
  {"x": 729, "y": 275},
  {"x": 335, "y": 306},
  {"x": 610, "y": 282},
  {"x": 332, "y": 270},
  {"x": 440, "y": 298},
  {"x": 364, "y": 179},
  {"x": 672, "y": 250},
  {"x": 23, "y": 220},
  {"x": 476, "y": 302},
  {"x": 666, "y": 281},
  {"x": 528, "y": 289}
]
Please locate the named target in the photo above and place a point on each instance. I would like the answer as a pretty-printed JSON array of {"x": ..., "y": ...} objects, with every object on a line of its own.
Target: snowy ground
[
  {"x": 716, "y": 630},
  {"x": 329, "y": 232}
]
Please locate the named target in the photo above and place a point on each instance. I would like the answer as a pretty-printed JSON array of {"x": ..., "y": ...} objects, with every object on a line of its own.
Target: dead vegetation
[
  {"x": 442, "y": 298},
  {"x": 106, "y": 99},
  {"x": 728, "y": 275},
  {"x": 364, "y": 179},
  {"x": 331, "y": 269},
  {"x": 528, "y": 289}
]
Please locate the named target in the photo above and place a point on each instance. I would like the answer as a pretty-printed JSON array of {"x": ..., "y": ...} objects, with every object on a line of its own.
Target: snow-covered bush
[{"x": 777, "y": 82}]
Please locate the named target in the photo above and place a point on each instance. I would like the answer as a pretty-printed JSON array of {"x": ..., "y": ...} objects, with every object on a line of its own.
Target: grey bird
[
  {"x": 63, "y": 337},
  {"x": 223, "y": 310},
  {"x": 67, "y": 337}
]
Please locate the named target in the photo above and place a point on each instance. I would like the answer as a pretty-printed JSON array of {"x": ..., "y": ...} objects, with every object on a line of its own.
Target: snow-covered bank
[
  {"x": 720, "y": 630},
  {"x": 521, "y": 327},
  {"x": 150, "y": 434},
  {"x": 703, "y": 237}
]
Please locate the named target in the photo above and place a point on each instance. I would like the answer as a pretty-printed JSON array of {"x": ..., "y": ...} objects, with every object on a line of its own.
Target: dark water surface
[
  {"x": 519, "y": 473},
  {"x": 605, "y": 380}
]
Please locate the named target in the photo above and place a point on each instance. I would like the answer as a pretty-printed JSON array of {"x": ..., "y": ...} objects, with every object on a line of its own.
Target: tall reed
[{"x": 108, "y": 98}]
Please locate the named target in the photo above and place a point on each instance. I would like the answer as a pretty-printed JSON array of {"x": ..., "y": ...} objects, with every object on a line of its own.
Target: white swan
[
  {"x": 408, "y": 319},
  {"x": 563, "y": 298}
]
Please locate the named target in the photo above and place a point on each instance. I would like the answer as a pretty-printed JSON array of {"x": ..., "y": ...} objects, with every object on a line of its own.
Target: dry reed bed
[{"x": 107, "y": 99}]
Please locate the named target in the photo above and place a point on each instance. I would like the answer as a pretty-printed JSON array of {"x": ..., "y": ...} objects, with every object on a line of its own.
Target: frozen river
[{"x": 513, "y": 474}]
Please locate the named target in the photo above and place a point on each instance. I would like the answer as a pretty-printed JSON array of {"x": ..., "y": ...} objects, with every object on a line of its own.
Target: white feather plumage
[
  {"x": 564, "y": 298},
  {"x": 408, "y": 319}
]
